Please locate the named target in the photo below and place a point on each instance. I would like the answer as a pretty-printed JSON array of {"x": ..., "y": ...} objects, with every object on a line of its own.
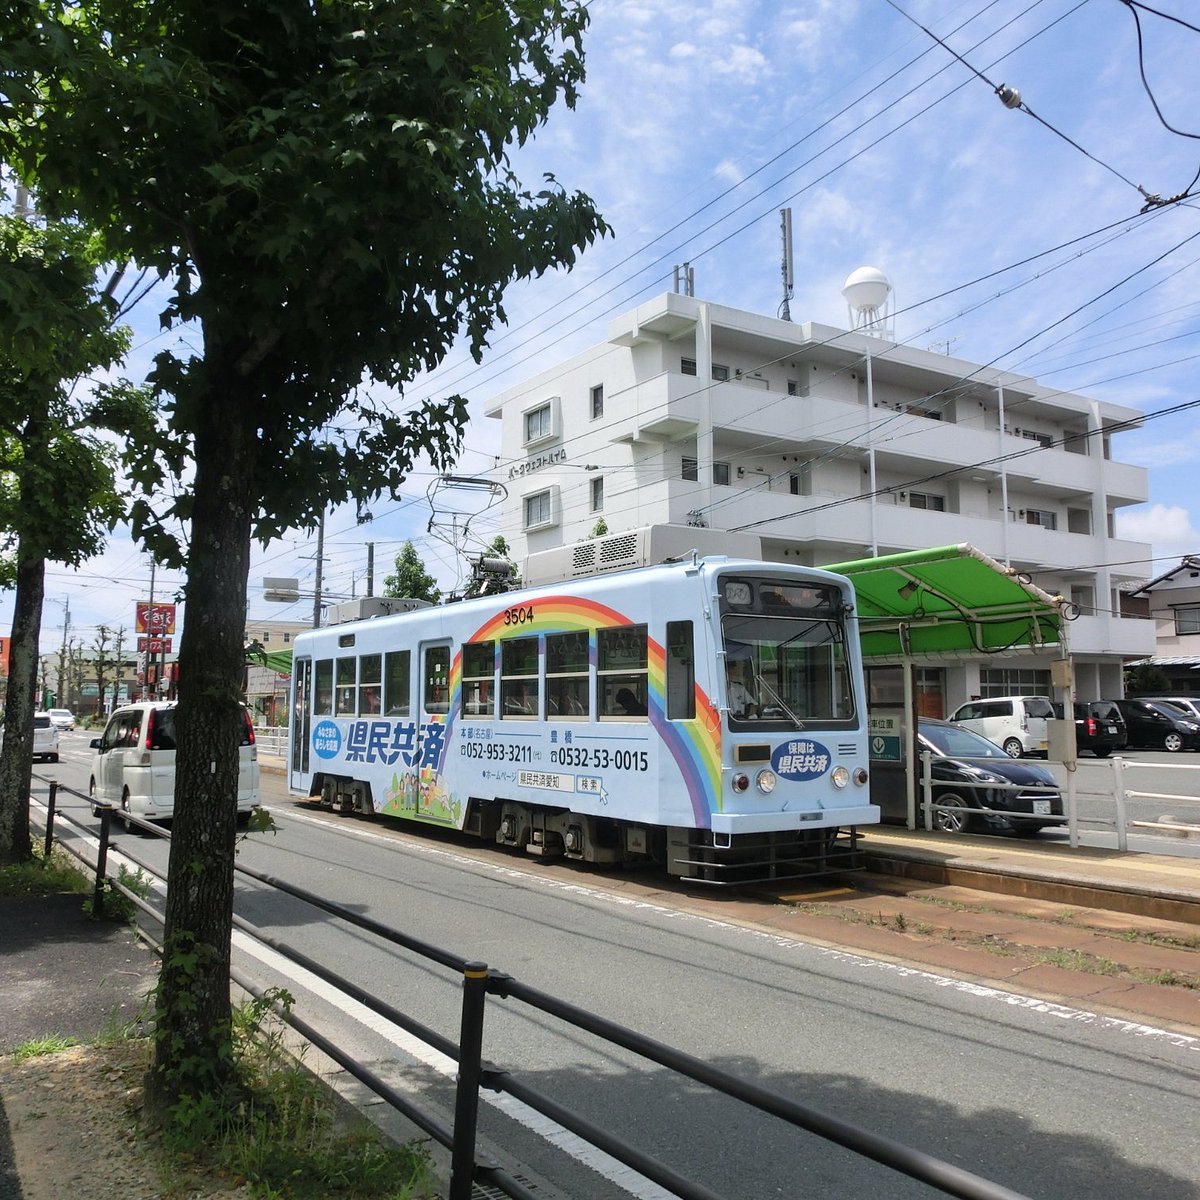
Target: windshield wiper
[{"x": 764, "y": 686}]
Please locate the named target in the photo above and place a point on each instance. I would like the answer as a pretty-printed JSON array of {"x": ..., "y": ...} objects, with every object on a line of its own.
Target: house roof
[{"x": 1189, "y": 562}]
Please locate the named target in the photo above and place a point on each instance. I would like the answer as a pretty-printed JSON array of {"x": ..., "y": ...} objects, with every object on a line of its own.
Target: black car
[
  {"x": 1158, "y": 726},
  {"x": 1099, "y": 727},
  {"x": 971, "y": 774}
]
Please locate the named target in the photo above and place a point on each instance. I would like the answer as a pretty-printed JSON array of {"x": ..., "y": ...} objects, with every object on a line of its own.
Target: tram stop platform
[{"x": 1164, "y": 886}]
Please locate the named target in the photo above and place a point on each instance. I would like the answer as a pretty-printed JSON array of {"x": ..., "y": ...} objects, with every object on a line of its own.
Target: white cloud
[{"x": 1168, "y": 528}]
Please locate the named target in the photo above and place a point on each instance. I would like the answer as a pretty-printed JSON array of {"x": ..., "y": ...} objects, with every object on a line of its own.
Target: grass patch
[
  {"x": 115, "y": 905},
  {"x": 42, "y": 876},
  {"x": 284, "y": 1134},
  {"x": 49, "y": 1043},
  {"x": 1169, "y": 979}
]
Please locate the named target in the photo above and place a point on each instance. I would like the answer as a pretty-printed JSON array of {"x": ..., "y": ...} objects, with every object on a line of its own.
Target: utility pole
[
  {"x": 62, "y": 657},
  {"x": 320, "y": 562},
  {"x": 370, "y": 568}
]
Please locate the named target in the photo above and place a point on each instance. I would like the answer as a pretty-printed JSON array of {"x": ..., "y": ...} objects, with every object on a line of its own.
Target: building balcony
[{"x": 1124, "y": 636}]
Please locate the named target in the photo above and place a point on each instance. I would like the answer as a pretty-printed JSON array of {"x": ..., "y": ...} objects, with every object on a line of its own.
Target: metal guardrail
[
  {"x": 481, "y": 985},
  {"x": 271, "y": 741}
]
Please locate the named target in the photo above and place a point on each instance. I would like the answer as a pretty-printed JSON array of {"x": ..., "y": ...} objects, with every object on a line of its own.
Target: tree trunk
[
  {"x": 192, "y": 1049},
  {"x": 16, "y": 757}
]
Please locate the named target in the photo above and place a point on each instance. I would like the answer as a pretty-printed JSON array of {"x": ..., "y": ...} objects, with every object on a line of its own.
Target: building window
[
  {"x": 691, "y": 470},
  {"x": 793, "y": 387},
  {"x": 1042, "y": 439},
  {"x": 538, "y": 424},
  {"x": 266, "y": 637},
  {"x": 1187, "y": 620},
  {"x": 1039, "y": 516},
  {"x": 537, "y": 510},
  {"x": 597, "y": 401},
  {"x": 287, "y": 637},
  {"x": 927, "y": 500},
  {"x": 800, "y": 482},
  {"x": 933, "y": 414},
  {"x": 687, "y": 366},
  {"x": 720, "y": 373},
  {"x": 598, "y": 494},
  {"x": 1009, "y": 681},
  {"x": 721, "y": 473}
]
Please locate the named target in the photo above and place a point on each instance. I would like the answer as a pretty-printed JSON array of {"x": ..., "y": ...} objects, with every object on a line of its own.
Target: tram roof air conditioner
[
  {"x": 635, "y": 548},
  {"x": 371, "y": 606}
]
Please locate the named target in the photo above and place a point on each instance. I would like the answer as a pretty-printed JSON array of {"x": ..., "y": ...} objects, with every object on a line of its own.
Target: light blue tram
[{"x": 708, "y": 715}]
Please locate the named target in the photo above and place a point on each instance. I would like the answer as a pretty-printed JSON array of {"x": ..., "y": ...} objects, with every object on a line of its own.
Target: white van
[
  {"x": 134, "y": 762},
  {"x": 1017, "y": 723}
]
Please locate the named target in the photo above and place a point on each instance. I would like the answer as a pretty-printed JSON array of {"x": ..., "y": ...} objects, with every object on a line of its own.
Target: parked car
[
  {"x": 45, "y": 738},
  {"x": 134, "y": 762},
  {"x": 63, "y": 718},
  {"x": 973, "y": 773},
  {"x": 1189, "y": 705},
  {"x": 1016, "y": 723},
  {"x": 1099, "y": 727},
  {"x": 1159, "y": 726}
]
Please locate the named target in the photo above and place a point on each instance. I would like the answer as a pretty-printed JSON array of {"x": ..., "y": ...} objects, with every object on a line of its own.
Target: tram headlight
[
  {"x": 840, "y": 777},
  {"x": 741, "y": 782},
  {"x": 766, "y": 781}
]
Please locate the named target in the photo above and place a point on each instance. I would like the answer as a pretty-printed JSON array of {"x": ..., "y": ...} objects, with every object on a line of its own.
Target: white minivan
[
  {"x": 1017, "y": 723},
  {"x": 134, "y": 762}
]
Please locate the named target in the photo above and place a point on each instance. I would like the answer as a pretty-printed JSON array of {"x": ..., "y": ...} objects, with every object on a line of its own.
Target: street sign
[
  {"x": 155, "y": 619},
  {"x": 884, "y": 741},
  {"x": 153, "y": 645}
]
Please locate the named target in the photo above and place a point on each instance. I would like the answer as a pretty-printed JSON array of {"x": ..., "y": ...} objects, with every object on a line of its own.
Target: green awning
[
  {"x": 950, "y": 602},
  {"x": 279, "y": 661}
]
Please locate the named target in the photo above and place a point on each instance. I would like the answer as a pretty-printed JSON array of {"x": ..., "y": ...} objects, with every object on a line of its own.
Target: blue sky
[{"x": 700, "y": 120}]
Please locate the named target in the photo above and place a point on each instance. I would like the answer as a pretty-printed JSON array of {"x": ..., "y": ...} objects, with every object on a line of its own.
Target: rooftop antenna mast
[{"x": 786, "y": 269}]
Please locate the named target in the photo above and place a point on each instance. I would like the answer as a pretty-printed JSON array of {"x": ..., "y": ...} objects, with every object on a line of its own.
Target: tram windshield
[{"x": 786, "y": 661}]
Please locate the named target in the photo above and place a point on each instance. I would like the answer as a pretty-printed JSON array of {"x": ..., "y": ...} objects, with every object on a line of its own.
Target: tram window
[
  {"x": 369, "y": 680},
  {"x": 567, "y": 676},
  {"x": 519, "y": 678},
  {"x": 478, "y": 679},
  {"x": 323, "y": 691},
  {"x": 621, "y": 674},
  {"x": 396, "y": 698},
  {"x": 681, "y": 672},
  {"x": 437, "y": 679},
  {"x": 346, "y": 691}
]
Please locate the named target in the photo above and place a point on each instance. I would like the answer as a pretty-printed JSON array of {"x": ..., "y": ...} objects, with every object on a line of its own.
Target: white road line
[{"x": 981, "y": 991}]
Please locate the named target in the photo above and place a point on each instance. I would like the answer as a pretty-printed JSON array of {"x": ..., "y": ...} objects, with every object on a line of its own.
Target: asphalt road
[{"x": 1050, "y": 1101}]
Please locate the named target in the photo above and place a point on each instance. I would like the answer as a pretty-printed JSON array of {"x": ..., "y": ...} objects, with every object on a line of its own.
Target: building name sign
[{"x": 536, "y": 463}]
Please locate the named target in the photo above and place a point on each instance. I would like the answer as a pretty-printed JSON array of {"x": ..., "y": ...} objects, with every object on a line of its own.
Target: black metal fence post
[
  {"x": 470, "y": 1070},
  {"x": 50, "y": 803},
  {"x": 102, "y": 861}
]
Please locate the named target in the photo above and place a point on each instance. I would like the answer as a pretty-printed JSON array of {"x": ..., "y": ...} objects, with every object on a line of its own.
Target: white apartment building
[{"x": 832, "y": 445}]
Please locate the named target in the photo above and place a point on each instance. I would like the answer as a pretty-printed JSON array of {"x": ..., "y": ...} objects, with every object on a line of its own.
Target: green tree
[
  {"x": 327, "y": 188},
  {"x": 57, "y": 493},
  {"x": 1146, "y": 680},
  {"x": 411, "y": 578}
]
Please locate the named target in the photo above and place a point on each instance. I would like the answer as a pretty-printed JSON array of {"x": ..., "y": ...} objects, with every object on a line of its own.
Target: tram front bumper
[{"x": 818, "y": 818}]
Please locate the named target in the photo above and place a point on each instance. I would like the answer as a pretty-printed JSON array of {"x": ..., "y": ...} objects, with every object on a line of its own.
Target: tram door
[
  {"x": 435, "y": 679},
  {"x": 301, "y": 714}
]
